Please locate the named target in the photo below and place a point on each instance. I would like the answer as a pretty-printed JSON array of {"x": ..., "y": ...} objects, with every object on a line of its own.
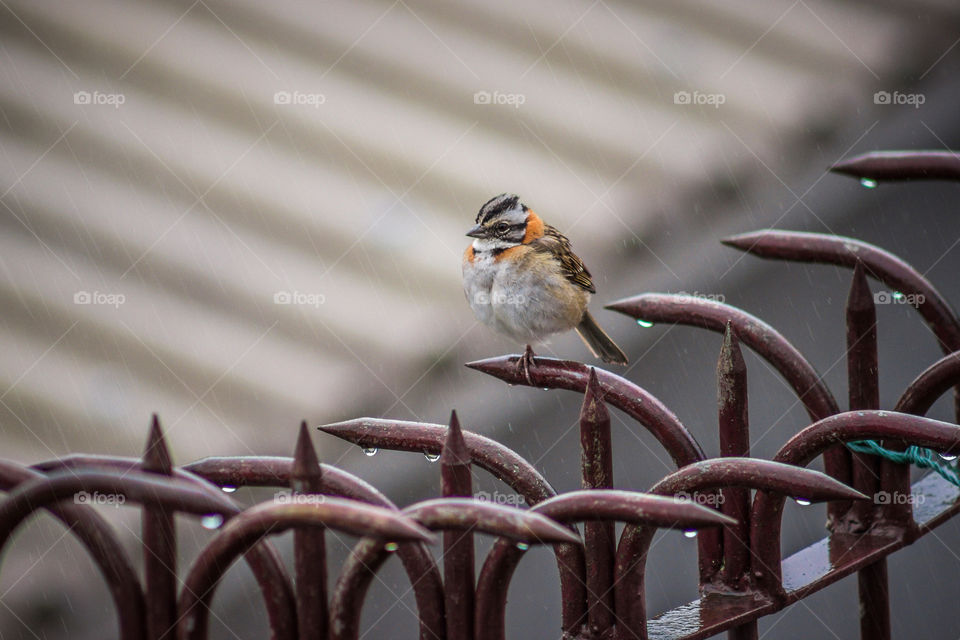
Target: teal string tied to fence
[{"x": 917, "y": 456}]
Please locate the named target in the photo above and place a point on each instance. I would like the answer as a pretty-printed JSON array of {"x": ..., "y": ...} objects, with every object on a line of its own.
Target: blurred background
[{"x": 241, "y": 214}]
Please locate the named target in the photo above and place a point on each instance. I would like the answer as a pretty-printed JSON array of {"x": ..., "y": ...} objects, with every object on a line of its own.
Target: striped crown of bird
[{"x": 522, "y": 279}]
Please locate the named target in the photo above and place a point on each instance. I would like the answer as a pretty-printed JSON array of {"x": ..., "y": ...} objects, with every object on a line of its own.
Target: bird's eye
[{"x": 502, "y": 226}]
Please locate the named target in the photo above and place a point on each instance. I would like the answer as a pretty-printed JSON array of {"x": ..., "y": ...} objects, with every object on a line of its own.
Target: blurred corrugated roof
[{"x": 199, "y": 158}]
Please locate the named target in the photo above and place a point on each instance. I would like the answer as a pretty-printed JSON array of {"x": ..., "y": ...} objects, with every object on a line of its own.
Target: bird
[{"x": 522, "y": 279}]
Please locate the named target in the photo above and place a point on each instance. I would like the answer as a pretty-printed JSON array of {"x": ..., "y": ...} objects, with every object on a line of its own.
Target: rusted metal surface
[
  {"x": 742, "y": 575},
  {"x": 159, "y": 544},
  {"x": 901, "y": 165},
  {"x": 309, "y": 544},
  {"x": 764, "y": 340},
  {"x": 247, "y": 528},
  {"x": 596, "y": 472},
  {"x": 96, "y": 535},
  {"x": 458, "y": 554},
  {"x": 608, "y": 505},
  {"x": 900, "y": 277},
  {"x": 639, "y": 404}
]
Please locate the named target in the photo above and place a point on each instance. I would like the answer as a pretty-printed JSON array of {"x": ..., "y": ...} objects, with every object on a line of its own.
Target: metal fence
[{"x": 733, "y": 503}]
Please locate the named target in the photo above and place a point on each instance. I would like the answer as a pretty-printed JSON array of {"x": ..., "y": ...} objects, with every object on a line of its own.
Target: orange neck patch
[{"x": 534, "y": 228}]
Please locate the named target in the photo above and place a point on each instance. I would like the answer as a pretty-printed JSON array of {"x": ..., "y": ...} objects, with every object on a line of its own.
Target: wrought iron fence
[{"x": 734, "y": 502}]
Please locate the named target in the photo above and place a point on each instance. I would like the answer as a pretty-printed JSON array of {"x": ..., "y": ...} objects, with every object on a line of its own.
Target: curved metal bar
[
  {"x": 400, "y": 435},
  {"x": 501, "y": 461},
  {"x": 716, "y": 473},
  {"x": 635, "y": 401},
  {"x": 902, "y": 165},
  {"x": 247, "y": 528},
  {"x": 765, "y": 341},
  {"x": 577, "y": 506},
  {"x": 811, "y": 442},
  {"x": 845, "y": 252},
  {"x": 265, "y": 563},
  {"x": 104, "y": 548},
  {"x": 270, "y": 471},
  {"x": 927, "y": 388},
  {"x": 523, "y": 527},
  {"x": 141, "y": 488}
]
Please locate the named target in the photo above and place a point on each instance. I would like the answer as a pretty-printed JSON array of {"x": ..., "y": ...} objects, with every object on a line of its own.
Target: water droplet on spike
[
  {"x": 949, "y": 457},
  {"x": 431, "y": 457},
  {"x": 228, "y": 489},
  {"x": 644, "y": 323},
  {"x": 690, "y": 533},
  {"x": 869, "y": 183},
  {"x": 803, "y": 502},
  {"x": 523, "y": 546},
  {"x": 369, "y": 451},
  {"x": 211, "y": 521},
  {"x": 390, "y": 547}
]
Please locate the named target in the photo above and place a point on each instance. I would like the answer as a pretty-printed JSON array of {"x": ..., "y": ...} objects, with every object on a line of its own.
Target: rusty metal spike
[
  {"x": 455, "y": 450},
  {"x": 156, "y": 455},
  {"x": 306, "y": 474},
  {"x": 596, "y": 469},
  {"x": 734, "y": 441},
  {"x": 901, "y": 165},
  {"x": 860, "y": 298}
]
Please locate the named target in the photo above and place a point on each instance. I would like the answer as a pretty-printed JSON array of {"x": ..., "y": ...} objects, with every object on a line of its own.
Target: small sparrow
[{"x": 522, "y": 279}]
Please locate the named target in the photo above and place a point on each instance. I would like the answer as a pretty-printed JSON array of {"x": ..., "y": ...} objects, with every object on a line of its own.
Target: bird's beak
[{"x": 477, "y": 232}]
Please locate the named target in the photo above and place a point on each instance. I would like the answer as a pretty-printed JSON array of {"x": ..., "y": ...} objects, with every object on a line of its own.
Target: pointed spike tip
[
  {"x": 731, "y": 355},
  {"x": 455, "y": 450},
  {"x": 743, "y": 241},
  {"x": 594, "y": 409},
  {"x": 860, "y": 298},
  {"x": 499, "y": 367},
  {"x": 626, "y": 306},
  {"x": 156, "y": 456},
  {"x": 306, "y": 465}
]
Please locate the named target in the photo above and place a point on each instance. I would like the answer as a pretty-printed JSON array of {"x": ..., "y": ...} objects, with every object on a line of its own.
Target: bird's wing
[{"x": 557, "y": 245}]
